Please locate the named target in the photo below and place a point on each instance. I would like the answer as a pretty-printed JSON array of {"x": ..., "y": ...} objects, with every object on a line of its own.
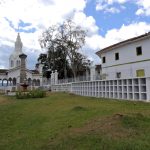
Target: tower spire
[
  {"x": 18, "y": 43},
  {"x": 14, "y": 60}
]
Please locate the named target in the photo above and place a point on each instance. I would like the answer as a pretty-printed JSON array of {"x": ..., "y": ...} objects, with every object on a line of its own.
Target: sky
[{"x": 107, "y": 22}]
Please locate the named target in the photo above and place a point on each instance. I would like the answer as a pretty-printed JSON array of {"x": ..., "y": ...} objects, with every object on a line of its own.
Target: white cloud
[
  {"x": 126, "y": 32},
  {"x": 144, "y": 3},
  {"x": 140, "y": 11},
  {"x": 97, "y": 42},
  {"x": 100, "y": 7},
  {"x": 144, "y": 7},
  {"x": 108, "y": 5},
  {"x": 112, "y": 10},
  {"x": 40, "y": 14},
  {"x": 88, "y": 23},
  {"x": 43, "y": 13},
  {"x": 115, "y": 1},
  {"x": 94, "y": 42}
]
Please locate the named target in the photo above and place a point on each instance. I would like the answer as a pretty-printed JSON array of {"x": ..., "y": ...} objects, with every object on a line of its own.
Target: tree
[
  {"x": 74, "y": 39},
  {"x": 63, "y": 43},
  {"x": 42, "y": 59},
  {"x": 59, "y": 64}
]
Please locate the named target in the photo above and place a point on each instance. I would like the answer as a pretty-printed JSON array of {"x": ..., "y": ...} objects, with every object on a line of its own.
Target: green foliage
[
  {"x": 30, "y": 94},
  {"x": 64, "y": 43}
]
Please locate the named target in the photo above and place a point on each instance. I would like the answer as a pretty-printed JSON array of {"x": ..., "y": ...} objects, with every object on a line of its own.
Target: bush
[{"x": 30, "y": 94}]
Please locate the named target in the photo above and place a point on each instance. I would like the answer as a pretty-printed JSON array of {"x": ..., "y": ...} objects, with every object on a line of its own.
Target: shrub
[{"x": 30, "y": 94}]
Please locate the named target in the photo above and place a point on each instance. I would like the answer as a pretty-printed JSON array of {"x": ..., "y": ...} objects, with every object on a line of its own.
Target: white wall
[
  {"x": 3, "y": 76},
  {"x": 127, "y": 71},
  {"x": 29, "y": 74},
  {"x": 13, "y": 73},
  {"x": 131, "y": 89},
  {"x": 127, "y": 54}
]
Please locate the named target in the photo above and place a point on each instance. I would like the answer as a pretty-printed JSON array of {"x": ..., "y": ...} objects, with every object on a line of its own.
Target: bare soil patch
[
  {"x": 110, "y": 126},
  {"x": 4, "y": 100}
]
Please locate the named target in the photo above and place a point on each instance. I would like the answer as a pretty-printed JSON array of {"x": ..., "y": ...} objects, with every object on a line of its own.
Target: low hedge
[{"x": 30, "y": 94}]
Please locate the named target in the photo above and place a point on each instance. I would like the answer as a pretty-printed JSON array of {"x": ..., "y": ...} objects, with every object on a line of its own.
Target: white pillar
[
  {"x": 41, "y": 79},
  {"x": 87, "y": 75},
  {"x": 40, "y": 68},
  {"x": 52, "y": 78},
  {"x": 56, "y": 77},
  {"x": 92, "y": 72},
  {"x": 148, "y": 88}
]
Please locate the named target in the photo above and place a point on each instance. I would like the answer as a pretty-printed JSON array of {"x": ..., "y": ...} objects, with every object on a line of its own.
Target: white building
[
  {"x": 11, "y": 77},
  {"x": 127, "y": 59}
]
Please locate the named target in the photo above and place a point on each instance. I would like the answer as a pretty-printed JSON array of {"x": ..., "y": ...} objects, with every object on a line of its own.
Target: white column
[
  {"x": 52, "y": 78},
  {"x": 148, "y": 88},
  {"x": 87, "y": 75},
  {"x": 56, "y": 77},
  {"x": 92, "y": 72},
  {"x": 41, "y": 80},
  {"x": 41, "y": 68}
]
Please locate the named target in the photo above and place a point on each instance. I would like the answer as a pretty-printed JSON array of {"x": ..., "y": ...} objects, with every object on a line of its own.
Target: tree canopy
[{"x": 63, "y": 42}]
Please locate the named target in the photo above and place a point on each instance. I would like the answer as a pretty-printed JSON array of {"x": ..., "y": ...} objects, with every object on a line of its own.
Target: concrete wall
[
  {"x": 131, "y": 89},
  {"x": 128, "y": 61},
  {"x": 3, "y": 76},
  {"x": 14, "y": 74},
  {"x": 127, "y": 70}
]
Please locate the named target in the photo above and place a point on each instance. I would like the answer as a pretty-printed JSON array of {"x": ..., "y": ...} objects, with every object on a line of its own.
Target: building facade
[
  {"x": 11, "y": 77},
  {"x": 127, "y": 59}
]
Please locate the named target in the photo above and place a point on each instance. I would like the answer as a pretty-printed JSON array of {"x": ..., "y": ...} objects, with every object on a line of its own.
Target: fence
[
  {"x": 132, "y": 89},
  {"x": 78, "y": 79}
]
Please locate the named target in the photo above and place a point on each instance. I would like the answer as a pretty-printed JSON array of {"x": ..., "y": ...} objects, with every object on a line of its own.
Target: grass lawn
[{"x": 68, "y": 122}]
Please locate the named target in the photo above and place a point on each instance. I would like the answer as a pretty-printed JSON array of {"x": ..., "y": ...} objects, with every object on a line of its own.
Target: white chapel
[{"x": 17, "y": 64}]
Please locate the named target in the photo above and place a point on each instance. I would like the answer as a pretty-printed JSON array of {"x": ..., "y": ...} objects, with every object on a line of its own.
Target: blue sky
[{"x": 107, "y": 22}]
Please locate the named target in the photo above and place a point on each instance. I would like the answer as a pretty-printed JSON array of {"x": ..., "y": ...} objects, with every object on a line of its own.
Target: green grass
[{"x": 69, "y": 122}]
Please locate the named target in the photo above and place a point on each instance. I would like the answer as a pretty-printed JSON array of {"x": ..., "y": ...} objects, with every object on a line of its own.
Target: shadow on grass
[{"x": 79, "y": 108}]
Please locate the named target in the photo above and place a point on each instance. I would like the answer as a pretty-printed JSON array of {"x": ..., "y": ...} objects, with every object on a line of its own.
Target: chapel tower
[{"x": 14, "y": 60}]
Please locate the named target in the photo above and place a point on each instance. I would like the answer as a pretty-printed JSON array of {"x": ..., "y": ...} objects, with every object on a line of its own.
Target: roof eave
[{"x": 128, "y": 41}]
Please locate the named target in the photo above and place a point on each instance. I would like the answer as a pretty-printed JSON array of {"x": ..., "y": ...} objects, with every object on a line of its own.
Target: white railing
[
  {"x": 77, "y": 79},
  {"x": 132, "y": 89}
]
